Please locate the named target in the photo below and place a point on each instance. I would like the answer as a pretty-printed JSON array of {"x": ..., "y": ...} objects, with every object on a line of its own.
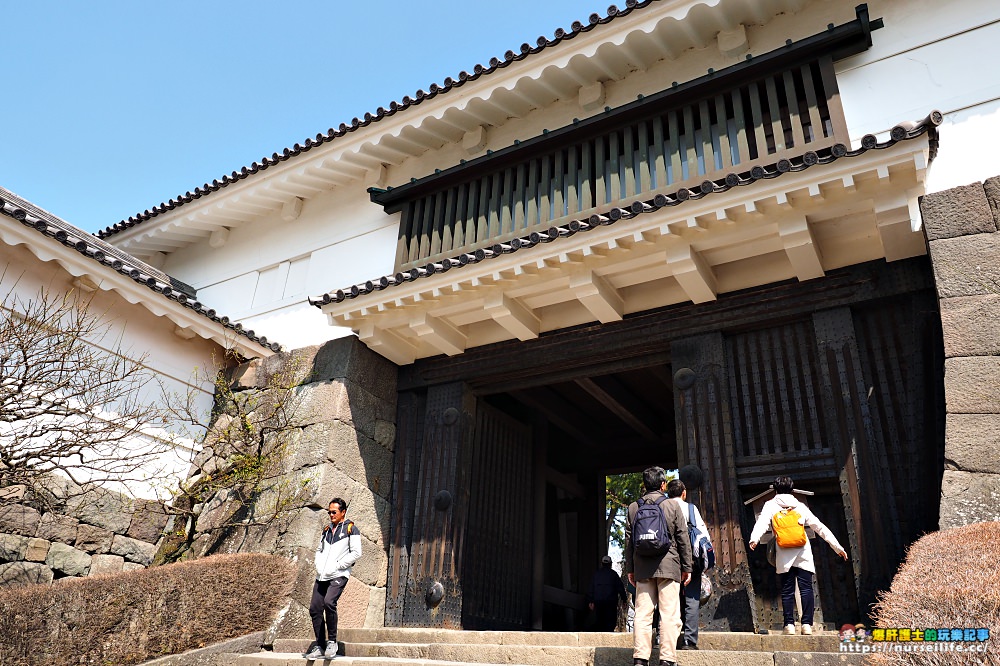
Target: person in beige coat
[{"x": 658, "y": 579}]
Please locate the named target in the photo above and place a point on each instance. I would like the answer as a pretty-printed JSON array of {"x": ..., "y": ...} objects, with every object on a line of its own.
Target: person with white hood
[{"x": 787, "y": 517}]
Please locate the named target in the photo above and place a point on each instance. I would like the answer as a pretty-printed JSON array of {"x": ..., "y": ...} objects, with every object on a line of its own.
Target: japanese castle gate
[{"x": 706, "y": 276}]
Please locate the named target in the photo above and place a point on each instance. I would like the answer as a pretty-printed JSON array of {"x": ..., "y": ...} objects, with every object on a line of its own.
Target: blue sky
[{"x": 112, "y": 107}]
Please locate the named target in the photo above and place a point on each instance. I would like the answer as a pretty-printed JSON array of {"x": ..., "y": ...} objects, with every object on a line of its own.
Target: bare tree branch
[{"x": 70, "y": 398}]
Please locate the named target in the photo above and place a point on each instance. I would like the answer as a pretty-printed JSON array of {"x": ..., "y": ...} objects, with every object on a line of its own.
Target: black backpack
[{"x": 649, "y": 529}]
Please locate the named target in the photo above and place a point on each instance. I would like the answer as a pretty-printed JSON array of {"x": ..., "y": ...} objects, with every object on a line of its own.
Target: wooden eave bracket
[
  {"x": 600, "y": 298},
  {"x": 438, "y": 333},
  {"x": 512, "y": 315},
  {"x": 387, "y": 343},
  {"x": 800, "y": 247},
  {"x": 692, "y": 273},
  {"x": 900, "y": 226}
]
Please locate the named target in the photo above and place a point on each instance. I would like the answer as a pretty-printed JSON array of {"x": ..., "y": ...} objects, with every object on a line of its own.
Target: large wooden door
[
  {"x": 431, "y": 493},
  {"x": 496, "y": 580}
]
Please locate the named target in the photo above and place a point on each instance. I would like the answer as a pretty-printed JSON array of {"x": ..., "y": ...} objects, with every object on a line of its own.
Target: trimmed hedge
[
  {"x": 950, "y": 579},
  {"x": 132, "y": 617}
]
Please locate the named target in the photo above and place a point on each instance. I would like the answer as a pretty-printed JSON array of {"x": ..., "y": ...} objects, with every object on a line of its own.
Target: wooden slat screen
[
  {"x": 778, "y": 423},
  {"x": 759, "y": 122}
]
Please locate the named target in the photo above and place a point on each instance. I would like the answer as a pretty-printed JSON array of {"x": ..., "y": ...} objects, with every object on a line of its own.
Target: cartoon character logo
[
  {"x": 847, "y": 633},
  {"x": 860, "y": 633}
]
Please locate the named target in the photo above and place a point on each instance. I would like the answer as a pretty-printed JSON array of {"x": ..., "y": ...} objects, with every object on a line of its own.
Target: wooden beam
[
  {"x": 600, "y": 298},
  {"x": 518, "y": 320},
  {"x": 619, "y": 403},
  {"x": 439, "y": 333},
  {"x": 560, "y": 412},
  {"x": 900, "y": 228},
  {"x": 387, "y": 344},
  {"x": 692, "y": 273},
  {"x": 801, "y": 247}
]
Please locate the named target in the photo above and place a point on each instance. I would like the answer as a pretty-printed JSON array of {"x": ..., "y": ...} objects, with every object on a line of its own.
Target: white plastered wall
[
  {"x": 931, "y": 57},
  {"x": 172, "y": 360}
]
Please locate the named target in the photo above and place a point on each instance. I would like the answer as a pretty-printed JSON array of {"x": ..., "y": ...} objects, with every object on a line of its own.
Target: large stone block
[
  {"x": 972, "y": 385},
  {"x": 24, "y": 573},
  {"x": 340, "y": 359},
  {"x": 354, "y": 453},
  {"x": 969, "y": 325},
  {"x": 37, "y": 551},
  {"x": 371, "y": 512},
  {"x": 102, "y": 508},
  {"x": 376, "y": 608},
  {"x": 106, "y": 564},
  {"x": 373, "y": 566},
  {"x": 148, "y": 521},
  {"x": 972, "y": 442},
  {"x": 350, "y": 359},
  {"x": 969, "y": 497},
  {"x": 959, "y": 211},
  {"x": 57, "y": 527},
  {"x": 13, "y": 547},
  {"x": 352, "y": 609},
  {"x": 18, "y": 519},
  {"x": 344, "y": 401},
  {"x": 93, "y": 539},
  {"x": 966, "y": 266},
  {"x": 68, "y": 560},
  {"x": 992, "y": 188},
  {"x": 133, "y": 550},
  {"x": 303, "y": 531}
]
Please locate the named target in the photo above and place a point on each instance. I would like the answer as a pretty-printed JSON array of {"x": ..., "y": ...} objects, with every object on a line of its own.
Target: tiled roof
[
  {"x": 901, "y": 132},
  {"x": 510, "y": 57},
  {"x": 112, "y": 258}
]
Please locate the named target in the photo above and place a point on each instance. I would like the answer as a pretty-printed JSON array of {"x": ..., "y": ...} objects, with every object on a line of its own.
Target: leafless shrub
[
  {"x": 135, "y": 616},
  {"x": 950, "y": 579}
]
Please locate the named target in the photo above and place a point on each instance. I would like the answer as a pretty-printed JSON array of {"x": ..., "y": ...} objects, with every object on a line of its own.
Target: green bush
[
  {"x": 131, "y": 617},
  {"x": 950, "y": 579}
]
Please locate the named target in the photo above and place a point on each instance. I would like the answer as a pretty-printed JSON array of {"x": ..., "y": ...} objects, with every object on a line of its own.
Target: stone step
[
  {"x": 294, "y": 659},
  {"x": 708, "y": 640},
  {"x": 597, "y": 657}
]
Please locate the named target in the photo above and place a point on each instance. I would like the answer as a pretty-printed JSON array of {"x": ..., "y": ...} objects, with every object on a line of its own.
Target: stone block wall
[
  {"x": 87, "y": 535},
  {"x": 342, "y": 442},
  {"x": 962, "y": 225}
]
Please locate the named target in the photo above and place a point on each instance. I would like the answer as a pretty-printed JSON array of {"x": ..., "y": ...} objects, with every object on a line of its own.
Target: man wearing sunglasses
[{"x": 339, "y": 548}]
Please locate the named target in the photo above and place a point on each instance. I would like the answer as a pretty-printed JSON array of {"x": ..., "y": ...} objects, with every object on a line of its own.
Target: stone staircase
[{"x": 440, "y": 647}]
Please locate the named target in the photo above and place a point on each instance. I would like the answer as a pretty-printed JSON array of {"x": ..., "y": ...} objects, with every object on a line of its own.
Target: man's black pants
[{"x": 325, "y": 595}]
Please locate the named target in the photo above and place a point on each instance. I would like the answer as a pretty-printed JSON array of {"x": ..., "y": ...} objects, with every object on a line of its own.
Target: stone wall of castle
[
  {"x": 341, "y": 442},
  {"x": 83, "y": 535},
  {"x": 962, "y": 233}
]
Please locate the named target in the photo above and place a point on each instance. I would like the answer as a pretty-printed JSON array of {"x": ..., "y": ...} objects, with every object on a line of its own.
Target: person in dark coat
[
  {"x": 658, "y": 578},
  {"x": 606, "y": 591}
]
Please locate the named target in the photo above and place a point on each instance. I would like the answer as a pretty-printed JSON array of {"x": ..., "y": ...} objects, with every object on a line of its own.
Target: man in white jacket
[
  {"x": 794, "y": 564},
  {"x": 339, "y": 548}
]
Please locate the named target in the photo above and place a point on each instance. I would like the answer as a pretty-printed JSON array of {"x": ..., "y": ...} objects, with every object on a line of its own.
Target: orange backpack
[{"x": 788, "y": 533}]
